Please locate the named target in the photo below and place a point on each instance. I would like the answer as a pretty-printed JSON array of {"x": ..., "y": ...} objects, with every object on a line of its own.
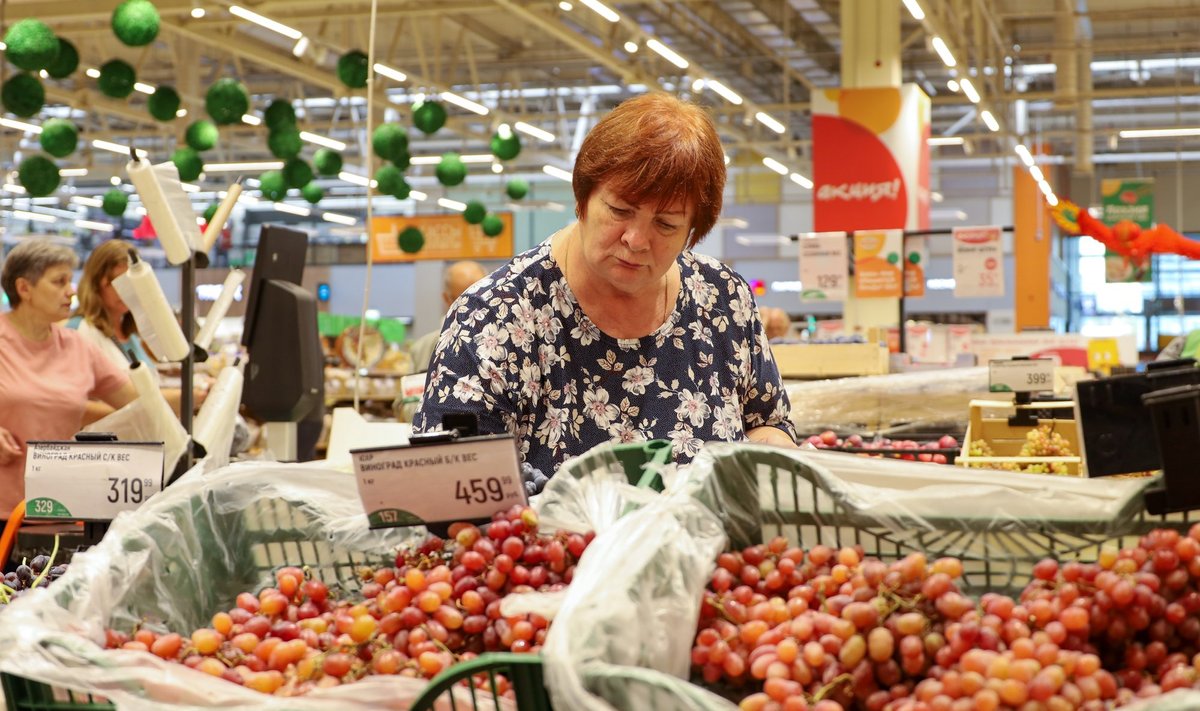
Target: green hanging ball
[
  {"x": 451, "y": 170},
  {"x": 352, "y": 69},
  {"x": 210, "y": 211},
  {"x": 403, "y": 161},
  {"x": 23, "y": 95},
  {"x": 38, "y": 175},
  {"x": 285, "y": 143},
  {"x": 273, "y": 186},
  {"x": 188, "y": 162},
  {"x": 279, "y": 114},
  {"x": 297, "y": 173},
  {"x": 59, "y": 137},
  {"x": 31, "y": 45},
  {"x": 492, "y": 225},
  {"x": 429, "y": 116},
  {"x": 67, "y": 61},
  {"x": 389, "y": 141},
  {"x": 914, "y": 257},
  {"x": 227, "y": 101},
  {"x": 135, "y": 22},
  {"x": 202, "y": 135},
  {"x": 312, "y": 192},
  {"x": 163, "y": 104},
  {"x": 327, "y": 161},
  {"x": 517, "y": 188},
  {"x": 893, "y": 258},
  {"x": 114, "y": 202},
  {"x": 390, "y": 181},
  {"x": 505, "y": 147},
  {"x": 411, "y": 240},
  {"x": 117, "y": 79},
  {"x": 475, "y": 212}
]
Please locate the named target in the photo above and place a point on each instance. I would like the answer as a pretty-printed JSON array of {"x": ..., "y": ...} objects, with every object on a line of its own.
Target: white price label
[
  {"x": 91, "y": 481},
  {"x": 1021, "y": 375},
  {"x": 463, "y": 480},
  {"x": 823, "y": 267}
]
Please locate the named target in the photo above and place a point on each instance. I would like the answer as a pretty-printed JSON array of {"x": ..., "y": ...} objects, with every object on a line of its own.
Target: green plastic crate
[
  {"x": 25, "y": 695},
  {"x": 523, "y": 671},
  {"x": 634, "y": 458}
]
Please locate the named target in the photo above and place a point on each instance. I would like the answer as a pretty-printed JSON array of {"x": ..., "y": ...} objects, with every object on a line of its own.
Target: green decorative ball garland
[
  {"x": 31, "y": 45},
  {"x": 188, "y": 162},
  {"x": 475, "y": 212},
  {"x": 352, "y": 69},
  {"x": 23, "y": 95},
  {"x": 114, "y": 202},
  {"x": 59, "y": 137},
  {"x": 389, "y": 141},
  {"x": 227, "y": 101},
  {"x": 390, "y": 181},
  {"x": 492, "y": 225},
  {"x": 285, "y": 144},
  {"x": 312, "y": 193},
  {"x": 403, "y": 161},
  {"x": 297, "y": 173},
  {"x": 38, "y": 175},
  {"x": 451, "y": 170},
  {"x": 410, "y": 240},
  {"x": 516, "y": 188},
  {"x": 164, "y": 104},
  {"x": 327, "y": 162},
  {"x": 135, "y": 22},
  {"x": 202, "y": 135},
  {"x": 429, "y": 116},
  {"x": 67, "y": 61},
  {"x": 506, "y": 148},
  {"x": 273, "y": 185},
  {"x": 280, "y": 114},
  {"x": 116, "y": 79}
]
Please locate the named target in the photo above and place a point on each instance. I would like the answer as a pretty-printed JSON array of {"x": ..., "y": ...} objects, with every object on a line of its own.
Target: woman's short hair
[
  {"x": 655, "y": 148},
  {"x": 96, "y": 271},
  {"x": 29, "y": 260}
]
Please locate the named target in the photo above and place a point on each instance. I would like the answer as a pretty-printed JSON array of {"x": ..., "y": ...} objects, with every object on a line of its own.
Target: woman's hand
[
  {"x": 770, "y": 435},
  {"x": 10, "y": 448}
]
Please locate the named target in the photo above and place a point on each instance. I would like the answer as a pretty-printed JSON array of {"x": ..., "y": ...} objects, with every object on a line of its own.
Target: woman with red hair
[{"x": 613, "y": 330}]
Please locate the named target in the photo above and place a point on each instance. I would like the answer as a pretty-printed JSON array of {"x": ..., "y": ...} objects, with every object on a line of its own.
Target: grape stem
[
  {"x": 828, "y": 688},
  {"x": 49, "y": 565}
]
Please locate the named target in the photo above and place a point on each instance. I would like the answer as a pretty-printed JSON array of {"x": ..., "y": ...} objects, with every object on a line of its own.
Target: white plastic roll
[
  {"x": 217, "y": 223},
  {"x": 220, "y": 307},
  {"x": 156, "y": 323},
  {"x": 168, "y": 206},
  {"x": 166, "y": 425},
  {"x": 214, "y": 424}
]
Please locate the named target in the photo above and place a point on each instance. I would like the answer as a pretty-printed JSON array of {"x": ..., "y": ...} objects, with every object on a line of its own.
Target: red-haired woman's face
[{"x": 628, "y": 246}]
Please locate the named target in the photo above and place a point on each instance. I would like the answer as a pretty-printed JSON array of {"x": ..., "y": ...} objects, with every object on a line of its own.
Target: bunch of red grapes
[{"x": 439, "y": 605}]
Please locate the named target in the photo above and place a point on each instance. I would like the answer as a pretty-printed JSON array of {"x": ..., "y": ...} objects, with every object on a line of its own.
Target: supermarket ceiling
[{"x": 1068, "y": 73}]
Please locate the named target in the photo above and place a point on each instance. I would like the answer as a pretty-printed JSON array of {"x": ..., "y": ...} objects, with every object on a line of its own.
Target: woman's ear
[{"x": 24, "y": 287}]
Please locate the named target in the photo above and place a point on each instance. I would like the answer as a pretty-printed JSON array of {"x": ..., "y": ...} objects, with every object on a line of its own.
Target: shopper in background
[
  {"x": 776, "y": 321},
  {"x": 47, "y": 372},
  {"x": 104, "y": 319},
  {"x": 613, "y": 329},
  {"x": 457, "y": 278}
]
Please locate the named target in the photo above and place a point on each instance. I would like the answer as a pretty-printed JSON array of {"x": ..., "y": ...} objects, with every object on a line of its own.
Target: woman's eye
[{"x": 666, "y": 226}]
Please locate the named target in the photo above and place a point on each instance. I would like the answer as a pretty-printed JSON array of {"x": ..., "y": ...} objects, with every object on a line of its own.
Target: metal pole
[{"x": 188, "y": 298}]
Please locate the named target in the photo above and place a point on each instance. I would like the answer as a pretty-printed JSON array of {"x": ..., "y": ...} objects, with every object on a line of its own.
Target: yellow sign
[
  {"x": 1102, "y": 354},
  {"x": 446, "y": 237}
]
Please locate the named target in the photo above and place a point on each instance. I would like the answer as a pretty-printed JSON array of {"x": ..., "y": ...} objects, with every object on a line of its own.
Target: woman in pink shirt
[{"x": 47, "y": 372}]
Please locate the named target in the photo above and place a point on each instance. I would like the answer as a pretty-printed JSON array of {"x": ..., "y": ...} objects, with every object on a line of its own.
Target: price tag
[
  {"x": 1021, "y": 375},
  {"x": 824, "y": 267},
  {"x": 468, "y": 479},
  {"x": 92, "y": 481}
]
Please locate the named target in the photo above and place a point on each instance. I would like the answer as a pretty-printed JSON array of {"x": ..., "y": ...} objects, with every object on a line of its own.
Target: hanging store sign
[
  {"x": 447, "y": 237},
  {"x": 978, "y": 262},
  {"x": 824, "y": 267},
  {"x": 916, "y": 256},
  {"x": 877, "y": 267},
  {"x": 1126, "y": 199}
]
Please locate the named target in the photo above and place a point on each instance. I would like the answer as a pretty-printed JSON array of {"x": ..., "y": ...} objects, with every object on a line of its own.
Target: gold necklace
[{"x": 666, "y": 281}]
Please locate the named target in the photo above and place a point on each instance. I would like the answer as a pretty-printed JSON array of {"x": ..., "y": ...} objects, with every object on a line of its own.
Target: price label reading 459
[
  {"x": 1021, "y": 375},
  {"x": 467, "y": 479}
]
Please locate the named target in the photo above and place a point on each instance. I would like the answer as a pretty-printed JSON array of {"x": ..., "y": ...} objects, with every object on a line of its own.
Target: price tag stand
[{"x": 1023, "y": 376}]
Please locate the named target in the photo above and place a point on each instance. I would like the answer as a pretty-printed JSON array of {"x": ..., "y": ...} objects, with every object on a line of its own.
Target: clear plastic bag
[{"x": 134, "y": 423}]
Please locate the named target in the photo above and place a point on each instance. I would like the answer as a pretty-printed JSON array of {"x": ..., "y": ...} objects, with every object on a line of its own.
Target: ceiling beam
[{"x": 799, "y": 31}]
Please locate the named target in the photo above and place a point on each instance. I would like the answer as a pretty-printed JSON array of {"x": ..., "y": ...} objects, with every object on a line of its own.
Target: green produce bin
[
  {"x": 636, "y": 456},
  {"x": 25, "y": 695},
  {"x": 523, "y": 671}
]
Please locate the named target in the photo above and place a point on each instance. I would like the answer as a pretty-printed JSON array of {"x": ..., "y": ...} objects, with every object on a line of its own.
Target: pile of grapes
[
  {"x": 1041, "y": 441},
  {"x": 533, "y": 479},
  {"x": 896, "y": 449},
  {"x": 785, "y": 629},
  {"x": 439, "y": 604},
  {"x": 36, "y": 573}
]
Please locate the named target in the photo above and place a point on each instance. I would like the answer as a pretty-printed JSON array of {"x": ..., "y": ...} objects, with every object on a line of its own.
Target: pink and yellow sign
[
  {"x": 871, "y": 159},
  {"x": 877, "y": 263}
]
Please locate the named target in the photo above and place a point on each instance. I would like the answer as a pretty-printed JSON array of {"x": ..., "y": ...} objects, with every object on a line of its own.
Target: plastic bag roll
[
  {"x": 167, "y": 426},
  {"x": 217, "y": 223},
  {"x": 215, "y": 422},
  {"x": 220, "y": 307},
  {"x": 168, "y": 206},
  {"x": 156, "y": 323}
]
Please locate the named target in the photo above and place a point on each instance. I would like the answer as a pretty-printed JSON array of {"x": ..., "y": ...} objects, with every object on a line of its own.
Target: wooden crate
[
  {"x": 989, "y": 422},
  {"x": 830, "y": 360}
]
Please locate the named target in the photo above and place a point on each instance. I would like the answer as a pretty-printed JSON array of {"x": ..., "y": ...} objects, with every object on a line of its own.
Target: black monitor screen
[{"x": 281, "y": 255}]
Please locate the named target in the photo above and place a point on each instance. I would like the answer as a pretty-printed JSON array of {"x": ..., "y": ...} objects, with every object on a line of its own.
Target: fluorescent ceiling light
[
  {"x": 1052, "y": 199},
  {"x": 1158, "y": 132},
  {"x": 117, "y": 148},
  {"x": 339, "y": 219},
  {"x": 556, "y": 172},
  {"x": 181, "y": 113},
  {"x": 601, "y": 9},
  {"x": 87, "y": 201},
  {"x": 914, "y": 9},
  {"x": 114, "y": 180},
  {"x": 73, "y": 172},
  {"x": 566, "y": 6},
  {"x": 198, "y": 12},
  {"x": 417, "y": 195},
  {"x": 300, "y": 47},
  {"x": 93, "y": 72},
  {"x": 769, "y": 122},
  {"x": 322, "y": 141},
  {"x": 467, "y": 158},
  {"x": 143, "y": 87},
  {"x": 37, "y": 216},
  {"x": 251, "y": 120},
  {"x": 246, "y": 166},
  {"x": 497, "y": 168},
  {"x": 939, "y": 46},
  {"x": 801, "y": 181},
  {"x": 936, "y": 196},
  {"x": 1036, "y": 172},
  {"x": 698, "y": 86},
  {"x": 969, "y": 89},
  {"x": 946, "y": 141},
  {"x": 534, "y": 131},
  {"x": 266, "y": 22},
  {"x": 14, "y": 188},
  {"x": 452, "y": 204},
  {"x": 91, "y": 225},
  {"x": 667, "y": 53},
  {"x": 631, "y": 47},
  {"x": 465, "y": 103},
  {"x": 20, "y": 125},
  {"x": 293, "y": 209},
  {"x": 384, "y": 70},
  {"x": 1026, "y": 157},
  {"x": 989, "y": 120},
  {"x": 725, "y": 92},
  {"x": 1045, "y": 187},
  {"x": 355, "y": 179},
  {"x": 952, "y": 85},
  {"x": 775, "y": 165}
]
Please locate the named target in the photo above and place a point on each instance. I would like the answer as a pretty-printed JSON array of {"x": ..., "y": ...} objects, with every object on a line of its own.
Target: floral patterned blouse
[{"x": 517, "y": 350}]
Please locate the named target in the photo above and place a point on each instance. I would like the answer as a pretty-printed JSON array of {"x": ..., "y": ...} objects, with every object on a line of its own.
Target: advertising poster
[
  {"x": 978, "y": 262},
  {"x": 447, "y": 237},
  {"x": 1129, "y": 199},
  {"x": 877, "y": 263},
  {"x": 916, "y": 256},
  {"x": 824, "y": 267}
]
